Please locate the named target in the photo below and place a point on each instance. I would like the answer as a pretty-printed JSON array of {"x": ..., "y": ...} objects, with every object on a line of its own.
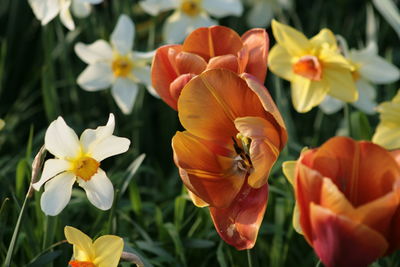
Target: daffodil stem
[
  {"x": 11, "y": 247},
  {"x": 249, "y": 259},
  {"x": 348, "y": 119}
]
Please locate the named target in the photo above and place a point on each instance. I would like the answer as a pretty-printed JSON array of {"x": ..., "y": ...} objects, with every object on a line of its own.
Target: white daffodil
[
  {"x": 369, "y": 69},
  {"x": 116, "y": 65},
  {"x": 262, "y": 11},
  {"x": 46, "y": 10},
  {"x": 78, "y": 160},
  {"x": 190, "y": 14}
]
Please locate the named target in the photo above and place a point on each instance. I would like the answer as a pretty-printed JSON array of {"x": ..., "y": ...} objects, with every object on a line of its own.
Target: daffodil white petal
[
  {"x": 123, "y": 35},
  {"x": 366, "y": 97},
  {"x": 45, "y": 10},
  {"x": 260, "y": 14},
  {"x": 154, "y": 7},
  {"x": 108, "y": 250},
  {"x": 95, "y": 52},
  {"x": 80, "y": 9},
  {"x": 93, "y": 2},
  {"x": 143, "y": 56},
  {"x": 52, "y": 167},
  {"x": 99, "y": 190},
  {"x": 57, "y": 193},
  {"x": 152, "y": 91},
  {"x": 65, "y": 15},
  {"x": 124, "y": 92},
  {"x": 60, "y": 140},
  {"x": 222, "y": 8},
  {"x": 90, "y": 138},
  {"x": 110, "y": 146},
  {"x": 96, "y": 77},
  {"x": 378, "y": 70},
  {"x": 101, "y": 144},
  {"x": 179, "y": 25},
  {"x": 143, "y": 74},
  {"x": 331, "y": 105}
]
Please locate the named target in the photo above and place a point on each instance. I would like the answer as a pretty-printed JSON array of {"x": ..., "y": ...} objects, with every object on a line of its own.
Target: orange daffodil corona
[
  {"x": 105, "y": 251},
  {"x": 314, "y": 67},
  {"x": 78, "y": 160},
  {"x": 347, "y": 201},
  {"x": 208, "y": 48},
  {"x": 234, "y": 134}
]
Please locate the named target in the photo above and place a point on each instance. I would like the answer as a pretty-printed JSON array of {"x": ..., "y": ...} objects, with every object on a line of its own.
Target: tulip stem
[
  {"x": 318, "y": 264},
  {"x": 348, "y": 119},
  {"x": 249, "y": 260}
]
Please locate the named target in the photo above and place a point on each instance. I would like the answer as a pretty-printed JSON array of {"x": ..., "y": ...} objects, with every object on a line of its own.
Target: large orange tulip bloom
[
  {"x": 208, "y": 48},
  {"x": 234, "y": 134},
  {"x": 348, "y": 199}
]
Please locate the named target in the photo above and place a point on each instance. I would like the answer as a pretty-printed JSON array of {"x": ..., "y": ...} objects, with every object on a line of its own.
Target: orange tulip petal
[
  {"x": 257, "y": 42},
  {"x": 213, "y": 41},
  {"x": 355, "y": 177},
  {"x": 238, "y": 224},
  {"x": 190, "y": 63},
  {"x": 163, "y": 72},
  {"x": 268, "y": 104},
  {"x": 222, "y": 94},
  {"x": 210, "y": 176},
  {"x": 229, "y": 62},
  {"x": 264, "y": 147},
  {"x": 175, "y": 88},
  {"x": 308, "y": 189},
  {"x": 339, "y": 241},
  {"x": 196, "y": 200},
  {"x": 396, "y": 155}
]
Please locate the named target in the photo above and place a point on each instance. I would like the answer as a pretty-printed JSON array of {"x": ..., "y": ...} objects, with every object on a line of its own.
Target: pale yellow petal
[
  {"x": 83, "y": 246},
  {"x": 280, "y": 62},
  {"x": 288, "y": 168},
  {"x": 341, "y": 84},
  {"x": 292, "y": 40},
  {"x": 325, "y": 38},
  {"x": 108, "y": 249},
  {"x": 307, "y": 93},
  {"x": 387, "y": 135}
]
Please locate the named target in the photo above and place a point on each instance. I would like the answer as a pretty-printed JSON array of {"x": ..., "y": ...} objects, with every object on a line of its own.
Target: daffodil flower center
[
  {"x": 191, "y": 7},
  {"x": 121, "y": 66},
  {"x": 243, "y": 152},
  {"x": 308, "y": 67},
  {"x": 85, "y": 167},
  {"x": 81, "y": 264}
]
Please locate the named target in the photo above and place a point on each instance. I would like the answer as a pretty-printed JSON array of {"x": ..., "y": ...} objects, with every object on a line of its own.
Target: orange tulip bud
[
  {"x": 348, "y": 196},
  {"x": 209, "y": 48},
  {"x": 234, "y": 134}
]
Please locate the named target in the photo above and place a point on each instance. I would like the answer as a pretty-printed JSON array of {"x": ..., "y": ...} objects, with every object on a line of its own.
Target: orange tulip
[
  {"x": 208, "y": 48},
  {"x": 234, "y": 134},
  {"x": 348, "y": 197}
]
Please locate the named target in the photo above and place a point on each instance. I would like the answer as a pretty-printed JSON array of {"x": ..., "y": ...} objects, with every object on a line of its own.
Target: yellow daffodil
[
  {"x": 314, "y": 67},
  {"x": 105, "y": 251},
  {"x": 387, "y": 133}
]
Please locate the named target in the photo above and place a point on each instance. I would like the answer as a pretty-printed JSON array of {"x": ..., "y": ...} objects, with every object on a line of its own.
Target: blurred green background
[{"x": 38, "y": 71}]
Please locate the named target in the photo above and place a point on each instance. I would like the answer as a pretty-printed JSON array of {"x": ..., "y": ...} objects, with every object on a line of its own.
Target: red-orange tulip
[
  {"x": 234, "y": 134},
  {"x": 208, "y": 48},
  {"x": 348, "y": 196}
]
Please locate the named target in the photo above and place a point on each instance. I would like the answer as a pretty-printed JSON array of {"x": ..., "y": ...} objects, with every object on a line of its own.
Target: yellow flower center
[
  {"x": 191, "y": 7},
  {"x": 81, "y": 264},
  {"x": 243, "y": 151},
  {"x": 85, "y": 167},
  {"x": 308, "y": 67},
  {"x": 122, "y": 66}
]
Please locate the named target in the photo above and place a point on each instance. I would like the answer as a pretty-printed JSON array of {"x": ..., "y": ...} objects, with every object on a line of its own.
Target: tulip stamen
[{"x": 243, "y": 157}]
